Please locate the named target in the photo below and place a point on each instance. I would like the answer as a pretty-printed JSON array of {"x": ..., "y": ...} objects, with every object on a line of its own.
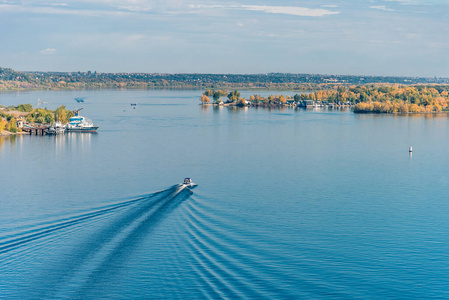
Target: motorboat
[
  {"x": 79, "y": 123},
  {"x": 189, "y": 183},
  {"x": 55, "y": 128}
]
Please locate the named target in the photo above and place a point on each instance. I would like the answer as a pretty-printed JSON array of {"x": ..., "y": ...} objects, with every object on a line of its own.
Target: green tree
[
  {"x": 364, "y": 97},
  {"x": 63, "y": 115},
  {"x": 24, "y": 107},
  {"x": 208, "y": 93},
  {"x": 216, "y": 96},
  {"x": 234, "y": 96},
  {"x": 241, "y": 102},
  {"x": 311, "y": 96},
  {"x": 341, "y": 89},
  {"x": 49, "y": 118},
  {"x": 13, "y": 125}
]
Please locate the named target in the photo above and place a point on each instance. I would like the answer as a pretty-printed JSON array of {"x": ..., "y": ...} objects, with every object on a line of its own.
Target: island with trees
[{"x": 380, "y": 98}]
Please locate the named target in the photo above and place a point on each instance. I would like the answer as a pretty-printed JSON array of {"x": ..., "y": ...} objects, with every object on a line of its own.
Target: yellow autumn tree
[
  {"x": 2, "y": 124},
  {"x": 282, "y": 99},
  {"x": 204, "y": 99}
]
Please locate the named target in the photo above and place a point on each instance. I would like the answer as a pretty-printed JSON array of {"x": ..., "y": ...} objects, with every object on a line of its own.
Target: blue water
[{"x": 290, "y": 204}]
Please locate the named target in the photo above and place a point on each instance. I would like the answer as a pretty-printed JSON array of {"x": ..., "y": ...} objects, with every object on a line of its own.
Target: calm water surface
[{"x": 290, "y": 203}]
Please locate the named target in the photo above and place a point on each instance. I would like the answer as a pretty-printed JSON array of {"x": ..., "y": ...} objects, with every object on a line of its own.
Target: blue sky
[{"x": 354, "y": 37}]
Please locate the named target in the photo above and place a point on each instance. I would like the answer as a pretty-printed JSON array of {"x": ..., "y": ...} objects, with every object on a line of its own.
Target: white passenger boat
[{"x": 80, "y": 124}]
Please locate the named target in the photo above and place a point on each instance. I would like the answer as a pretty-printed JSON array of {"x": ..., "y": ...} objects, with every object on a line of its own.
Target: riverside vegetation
[
  {"x": 380, "y": 98},
  {"x": 9, "y": 117},
  {"x": 367, "y": 94},
  {"x": 11, "y": 80},
  {"x": 365, "y": 99}
]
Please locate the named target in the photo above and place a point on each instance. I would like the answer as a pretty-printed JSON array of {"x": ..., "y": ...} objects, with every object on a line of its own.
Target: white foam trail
[
  {"x": 98, "y": 257},
  {"x": 13, "y": 241}
]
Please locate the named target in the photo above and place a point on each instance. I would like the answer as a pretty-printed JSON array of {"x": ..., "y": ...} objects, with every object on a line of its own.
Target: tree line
[
  {"x": 13, "y": 80},
  {"x": 366, "y": 99}
]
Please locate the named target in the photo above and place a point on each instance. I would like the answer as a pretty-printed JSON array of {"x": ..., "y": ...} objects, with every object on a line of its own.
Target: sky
[{"x": 344, "y": 37}]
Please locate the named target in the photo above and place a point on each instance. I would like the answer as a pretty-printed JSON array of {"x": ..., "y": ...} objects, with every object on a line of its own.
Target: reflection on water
[
  {"x": 80, "y": 137},
  {"x": 430, "y": 115},
  {"x": 58, "y": 145},
  {"x": 218, "y": 108},
  {"x": 439, "y": 115},
  {"x": 11, "y": 140},
  {"x": 3, "y": 141},
  {"x": 77, "y": 141}
]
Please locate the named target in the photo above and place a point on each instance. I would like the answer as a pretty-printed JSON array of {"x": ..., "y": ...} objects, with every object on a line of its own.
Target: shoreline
[
  {"x": 174, "y": 88},
  {"x": 5, "y": 133},
  {"x": 335, "y": 107}
]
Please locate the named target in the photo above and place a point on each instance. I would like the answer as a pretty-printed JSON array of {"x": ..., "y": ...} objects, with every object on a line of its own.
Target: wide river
[{"x": 306, "y": 204}]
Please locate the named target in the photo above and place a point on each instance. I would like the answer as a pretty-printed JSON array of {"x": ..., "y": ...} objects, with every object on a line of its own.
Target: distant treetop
[{"x": 10, "y": 79}]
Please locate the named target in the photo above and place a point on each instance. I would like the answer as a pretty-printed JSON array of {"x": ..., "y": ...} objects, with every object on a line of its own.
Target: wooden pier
[{"x": 36, "y": 130}]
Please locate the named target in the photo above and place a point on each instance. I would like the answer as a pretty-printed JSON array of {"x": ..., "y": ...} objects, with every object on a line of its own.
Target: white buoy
[{"x": 410, "y": 149}]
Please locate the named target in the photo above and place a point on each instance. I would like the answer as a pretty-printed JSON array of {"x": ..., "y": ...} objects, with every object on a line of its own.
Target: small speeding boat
[{"x": 189, "y": 183}]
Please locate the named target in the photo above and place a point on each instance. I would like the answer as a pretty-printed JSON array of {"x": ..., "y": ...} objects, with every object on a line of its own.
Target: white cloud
[
  {"x": 403, "y": 2},
  {"x": 57, "y": 4},
  {"x": 57, "y": 11},
  {"x": 134, "y": 8},
  {"x": 288, "y": 10},
  {"x": 121, "y": 5},
  {"x": 49, "y": 51},
  {"x": 97, "y": 8},
  {"x": 381, "y": 7},
  {"x": 420, "y": 2},
  {"x": 122, "y": 8},
  {"x": 291, "y": 10}
]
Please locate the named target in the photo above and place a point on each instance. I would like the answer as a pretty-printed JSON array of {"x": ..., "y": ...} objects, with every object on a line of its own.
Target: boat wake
[
  {"x": 227, "y": 266},
  {"x": 122, "y": 226},
  {"x": 13, "y": 241},
  {"x": 151, "y": 246}
]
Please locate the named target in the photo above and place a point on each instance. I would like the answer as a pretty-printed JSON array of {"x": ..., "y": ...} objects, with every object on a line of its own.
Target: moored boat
[
  {"x": 55, "y": 128},
  {"x": 79, "y": 123}
]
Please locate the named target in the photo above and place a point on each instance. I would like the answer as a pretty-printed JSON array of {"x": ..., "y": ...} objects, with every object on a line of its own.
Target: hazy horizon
[{"x": 243, "y": 74}]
